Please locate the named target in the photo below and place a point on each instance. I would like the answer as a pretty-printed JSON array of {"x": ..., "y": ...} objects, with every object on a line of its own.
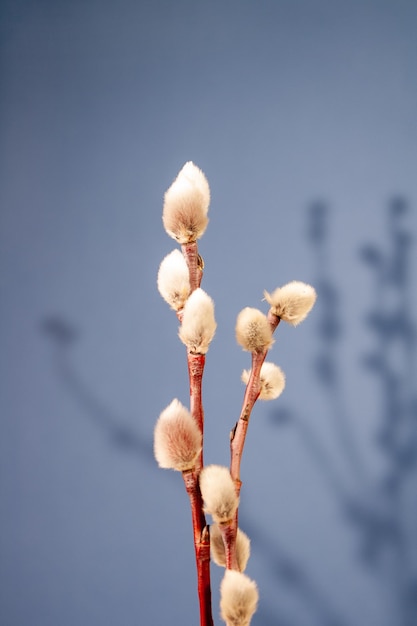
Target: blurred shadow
[
  {"x": 392, "y": 360},
  {"x": 375, "y": 509},
  {"x": 329, "y": 332},
  {"x": 63, "y": 335},
  {"x": 331, "y": 475},
  {"x": 393, "y": 363},
  {"x": 290, "y": 577}
]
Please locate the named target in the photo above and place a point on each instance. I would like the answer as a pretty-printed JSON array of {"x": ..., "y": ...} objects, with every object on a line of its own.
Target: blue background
[{"x": 303, "y": 116}]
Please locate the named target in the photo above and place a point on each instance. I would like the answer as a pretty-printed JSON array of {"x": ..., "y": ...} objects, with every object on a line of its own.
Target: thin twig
[
  {"x": 196, "y": 364},
  {"x": 229, "y": 533},
  {"x": 201, "y": 533},
  {"x": 194, "y": 262},
  {"x": 238, "y": 437},
  {"x": 201, "y": 545}
]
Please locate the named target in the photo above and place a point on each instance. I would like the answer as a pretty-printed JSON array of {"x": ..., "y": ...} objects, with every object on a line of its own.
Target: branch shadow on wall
[
  {"x": 63, "y": 336},
  {"x": 375, "y": 515},
  {"x": 375, "y": 510}
]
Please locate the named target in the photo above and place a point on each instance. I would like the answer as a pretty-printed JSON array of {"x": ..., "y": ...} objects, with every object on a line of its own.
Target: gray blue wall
[{"x": 303, "y": 116}]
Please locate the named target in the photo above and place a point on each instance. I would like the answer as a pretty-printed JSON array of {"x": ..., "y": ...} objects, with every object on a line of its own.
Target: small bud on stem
[
  {"x": 219, "y": 495},
  {"x": 198, "y": 323},
  {"x": 238, "y": 598},
  {"x": 186, "y": 205},
  {"x": 253, "y": 332},
  {"x": 174, "y": 280},
  {"x": 272, "y": 381},
  {"x": 219, "y": 547},
  {"x": 292, "y": 302},
  {"x": 177, "y": 438}
]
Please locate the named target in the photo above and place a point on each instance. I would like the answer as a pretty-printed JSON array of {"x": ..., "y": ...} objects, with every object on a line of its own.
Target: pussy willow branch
[
  {"x": 201, "y": 545},
  {"x": 228, "y": 532},
  {"x": 238, "y": 437},
  {"x": 252, "y": 391},
  {"x": 196, "y": 364},
  {"x": 194, "y": 262},
  {"x": 201, "y": 534}
]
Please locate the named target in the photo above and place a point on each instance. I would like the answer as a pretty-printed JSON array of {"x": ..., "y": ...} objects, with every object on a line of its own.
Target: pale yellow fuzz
[
  {"x": 218, "y": 552},
  {"x": 218, "y": 491},
  {"x": 238, "y": 598},
  {"x": 174, "y": 280},
  {"x": 253, "y": 331},
  {"x": 177, "y": 438},
  {"x": 292, "y": 302},
  {"x": 198, "y": 323},
  {"x": 272, "y": 380},
  {"x": 186, "y": 205}
]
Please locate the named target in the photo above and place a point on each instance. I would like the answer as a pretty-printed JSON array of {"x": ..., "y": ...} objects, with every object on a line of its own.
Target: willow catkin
[
  {"x": 177, "y": 438},
  {"x": 292, "y": 302},
  {"x": 186, "y": 204}
]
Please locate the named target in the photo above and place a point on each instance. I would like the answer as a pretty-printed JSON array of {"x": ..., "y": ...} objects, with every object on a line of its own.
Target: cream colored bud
[
  {"x": 292, "y": 302},
  {"x": 177, "y": 438},
  {"x": 253, "y": 331},
  {"x": 174, "y": 280},
  {"x": 198, "y": 323},
  {"x": 186, "y": 205},
  {"x": 218, "y": 552},
  {"x": 272, "y": 380},
  {"x": 218, "y": 491},
  {"x": 238, "y": 598}
]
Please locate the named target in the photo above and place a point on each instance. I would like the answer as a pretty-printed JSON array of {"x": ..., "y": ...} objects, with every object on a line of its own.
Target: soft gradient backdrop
[{"x": 303, "y": 115}]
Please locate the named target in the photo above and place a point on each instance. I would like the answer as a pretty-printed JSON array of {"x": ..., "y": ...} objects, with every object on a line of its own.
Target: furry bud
[
  {"x": 218, "y": 552},
  {"x": 186, "y": 205},
  {"x": 198, "y": 323},
  {"x": 272, "y": 380},
  {"x": 292, "y": 302},
  {"x": 177, "y": 438},
  {"x": 238, "y": 598},
  {"x": 253, "y": 331},
  {"x": 174, "y": 280},
  {"x": 218, "y": 491}
]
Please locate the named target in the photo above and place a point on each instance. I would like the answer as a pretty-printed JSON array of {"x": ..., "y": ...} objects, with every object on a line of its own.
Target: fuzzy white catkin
[
  {"x": 238, "y": 598},
  {"x": 218, "y": 552},
  {"x": 292, "y": 302},
  {"x": 177, "y": 438},
  {"x": 186, "y": 204},
  {"x": 272, "y": 380},
  {"x": 174, "y": 280},
  {"x": 218, "y": 491},
  {"x": 198, "y": 323},
  {"x": 253, "y": 331}
]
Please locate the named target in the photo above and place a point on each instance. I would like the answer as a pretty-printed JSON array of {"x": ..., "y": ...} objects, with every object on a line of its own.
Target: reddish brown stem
[
  {"x": 229, "y": 532},
  {"x": 238, "y": 434},
  {"x": 273, "y": 320},
  {"x": 201, "y": 546},
  {"x": 252, "y": 391},
  {"x": 194, "y": 262},
  {"x": 201, "y": 533},
  {"x": 196, "y": 364}
]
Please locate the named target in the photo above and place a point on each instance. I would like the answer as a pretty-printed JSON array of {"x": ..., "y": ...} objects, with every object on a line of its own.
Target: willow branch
[
  {"x": 252, "y": 391},
  {"x": 201, "y": 546},
  {"x": 194, "y": 262},
  {"x": 196, "y": 364},
  {"x": 201, "y": 533},
  {"x": 238, "y": 438},
  {"x": 229, "y": 534}
]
